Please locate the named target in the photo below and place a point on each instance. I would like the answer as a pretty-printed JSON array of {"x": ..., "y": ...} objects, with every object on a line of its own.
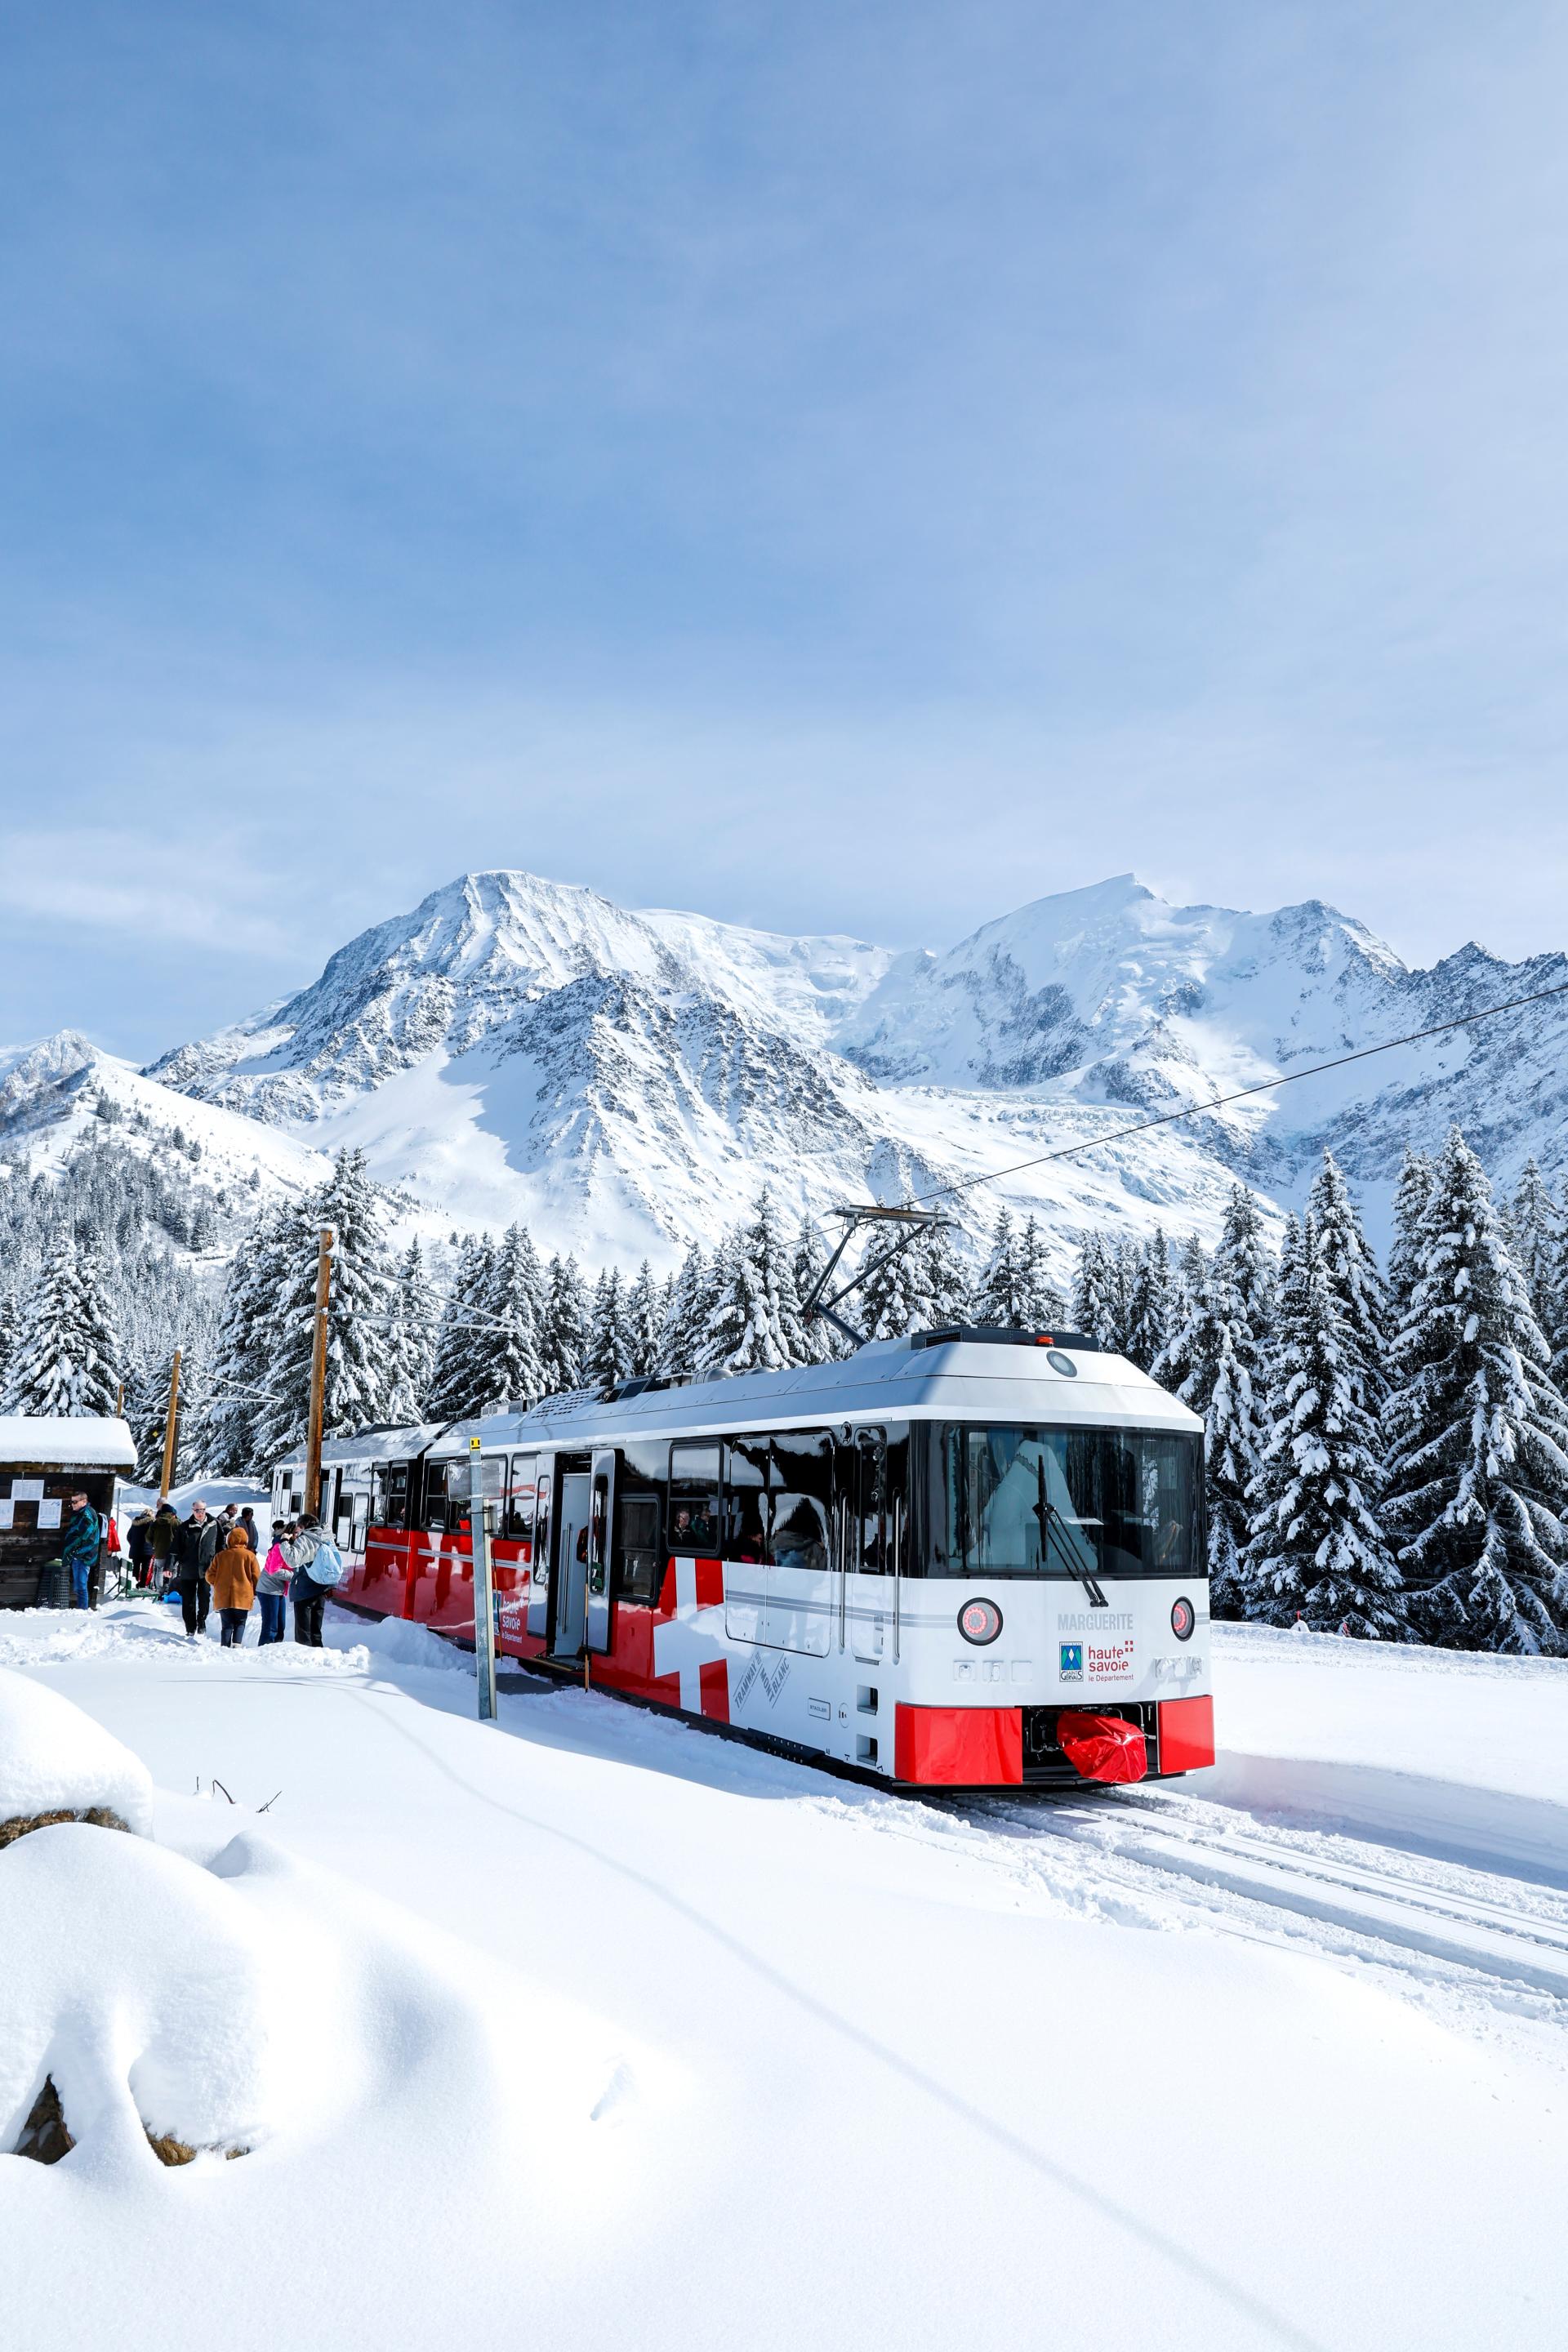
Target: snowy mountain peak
[{"x": 625, "y": 1080}]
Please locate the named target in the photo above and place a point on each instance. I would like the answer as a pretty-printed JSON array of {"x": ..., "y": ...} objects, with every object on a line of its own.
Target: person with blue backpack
[
  {"x": 78, "y": 1552},
  {"x": 316, "y": 1568}
]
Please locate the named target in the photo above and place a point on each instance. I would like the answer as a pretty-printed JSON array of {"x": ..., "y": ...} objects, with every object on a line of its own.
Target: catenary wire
[{"x": 1265, "y": 1085}]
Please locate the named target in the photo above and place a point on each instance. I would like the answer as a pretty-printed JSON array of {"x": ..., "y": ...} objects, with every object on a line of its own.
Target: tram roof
[{"x": 923, "y": 1377}]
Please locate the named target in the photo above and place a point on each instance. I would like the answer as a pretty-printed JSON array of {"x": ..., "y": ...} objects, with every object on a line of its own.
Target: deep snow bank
[
  {"x": 55, "y": 1759},
  {"x": 1437, "y": 1750}
]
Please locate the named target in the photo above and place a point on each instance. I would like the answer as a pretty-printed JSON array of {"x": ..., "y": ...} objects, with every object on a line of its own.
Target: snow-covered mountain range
[{"x": 624, "y": 1080}]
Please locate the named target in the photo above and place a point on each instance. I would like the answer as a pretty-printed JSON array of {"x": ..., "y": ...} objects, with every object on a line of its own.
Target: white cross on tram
[{"x": 692, "y": 1639}]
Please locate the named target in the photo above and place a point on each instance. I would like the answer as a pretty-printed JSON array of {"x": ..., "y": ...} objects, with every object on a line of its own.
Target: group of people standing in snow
[{"x": 217, "y": 1559}]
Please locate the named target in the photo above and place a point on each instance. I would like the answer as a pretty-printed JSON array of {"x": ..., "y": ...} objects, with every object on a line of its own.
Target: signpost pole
[{"x": 484, "y": 1603}]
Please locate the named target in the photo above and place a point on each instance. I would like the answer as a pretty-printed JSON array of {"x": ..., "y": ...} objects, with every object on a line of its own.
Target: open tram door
[{"x": 581, "y": 1571}]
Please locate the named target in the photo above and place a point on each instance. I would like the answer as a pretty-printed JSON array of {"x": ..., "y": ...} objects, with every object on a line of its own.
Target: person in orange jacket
[{"x": 233, "y": 1579}]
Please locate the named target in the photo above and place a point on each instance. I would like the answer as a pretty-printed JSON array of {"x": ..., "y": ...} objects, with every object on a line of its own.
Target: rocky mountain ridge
[{"x": 515, "y": 1046}]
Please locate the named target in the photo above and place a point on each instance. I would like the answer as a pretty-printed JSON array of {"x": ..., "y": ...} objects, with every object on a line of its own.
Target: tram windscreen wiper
[{"x": 1047, "y": 1515}]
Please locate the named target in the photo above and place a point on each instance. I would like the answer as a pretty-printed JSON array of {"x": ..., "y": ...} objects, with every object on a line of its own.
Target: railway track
[{"x": 1360, "y": 1898}]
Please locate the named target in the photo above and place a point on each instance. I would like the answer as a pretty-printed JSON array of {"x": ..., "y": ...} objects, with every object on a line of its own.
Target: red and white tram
[{"x": 968, "y": 1558}]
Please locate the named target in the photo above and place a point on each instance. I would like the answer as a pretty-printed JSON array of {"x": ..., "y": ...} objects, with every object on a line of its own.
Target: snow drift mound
[
  {"x": 55, "y": 1761},
  {"x": 138, "y": 1986},
  {"x": 154, "y": 2010}
]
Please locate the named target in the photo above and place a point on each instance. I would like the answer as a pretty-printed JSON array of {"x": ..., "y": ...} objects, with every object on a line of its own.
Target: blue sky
[{"x": 839, "y": 466}]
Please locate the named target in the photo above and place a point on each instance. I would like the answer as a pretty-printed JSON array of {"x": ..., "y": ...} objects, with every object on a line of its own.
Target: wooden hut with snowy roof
[{"x": 44, "y": 1460}]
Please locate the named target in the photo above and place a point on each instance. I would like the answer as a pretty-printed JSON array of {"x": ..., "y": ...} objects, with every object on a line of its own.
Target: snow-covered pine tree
[
  {"x": 1411, "y": 1194},
  {"x": 942, "y": 1280},
  {"x": 147, "y": 1409},
  {"x": 509, "y": 1347},
  {"x": 919, "y": 1288},
  {"x": 565, "y": 1328},
  {"x": 417, "y": 1313},
  {"x": 229, "y": 1440},
  {"x": 1317, "y": 1550},
  {"x": 645, "y": 1322},
  {"x": 10, "y": 1319},
  {"x": 285, "y": 1340},
  {"x": 363, "y": 1292},
  {"x": 687, "y": 1322},
  {"x": 1211, "y": 1362},
  {"x": 1041, "y": 1305},
  {"x": 824, "y": 1344},
  {"x": 1004, "y": 1296},
  {"x": 1151, "y": 1303},
  {"x": 1351, "y": 1271},
  {"x": 275, "y": 1352},
  {"x": 1556, "y": 1324},
  {"x": 1240, "y": 1305},
  {"x": 66, "y": 1354},
  {"x": 461, "y": 1385},
  {"x": 756, "y": 1315},
  {"x": 1478, "y": 1435},
  {"x": 1182, "y": 1365},
  {"x": 1089, "y": 1306},
  {"x": 1244, "y": 1256},
  {"x": 610, "y": 1347},
  {"x": 1534, "y": 1223}
]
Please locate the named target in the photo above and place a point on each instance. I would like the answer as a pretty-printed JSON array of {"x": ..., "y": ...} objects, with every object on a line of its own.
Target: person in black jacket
[
  {"x": 138, "y": 1544},
  {"x": 195, "y": 1541}
]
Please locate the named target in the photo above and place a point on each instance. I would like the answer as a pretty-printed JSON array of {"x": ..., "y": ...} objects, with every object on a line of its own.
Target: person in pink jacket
[{"x": 272, "y": 1586}]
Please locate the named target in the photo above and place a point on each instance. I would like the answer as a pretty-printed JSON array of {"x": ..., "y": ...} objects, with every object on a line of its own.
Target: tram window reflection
[
  {"x": 801, "y": 1500},
  {"x": 694, "y": 1500},
  {"x": 745, "y": 1502},
  {"x": 520, "y": 1484},
  {"x": 1067, "y": 1503}
]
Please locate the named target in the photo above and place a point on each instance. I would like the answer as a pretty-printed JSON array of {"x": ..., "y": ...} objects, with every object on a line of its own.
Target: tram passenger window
[
  {"x": 801, "y": 1500},
  {"x": 694, "y": 1499},
  {"x": 518, "y": 1518},
  {"x": 438, "y": 1512},
  {"x": 745, "y": 1491},
  {"x": 378, "y": 1494},
  {"x": 638, "y": 1562},
  {"x": 641, "y": 1466},
  {"x": 1151, "y": 1505},
  {"x": 396, "y": 1495}
]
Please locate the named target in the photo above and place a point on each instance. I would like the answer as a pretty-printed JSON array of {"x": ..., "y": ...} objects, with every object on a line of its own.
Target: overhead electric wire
[{"x": 1265, "y": 1085}]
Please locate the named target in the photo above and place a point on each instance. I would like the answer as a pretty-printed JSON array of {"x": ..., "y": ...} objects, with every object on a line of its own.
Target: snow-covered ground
[{"x": 595, "y": 2028}]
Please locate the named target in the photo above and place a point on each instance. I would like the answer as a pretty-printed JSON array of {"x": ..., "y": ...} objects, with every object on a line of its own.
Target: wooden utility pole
[
  {"x": 170, "y": 1425},
  {"x": 484, "y": 1585},
  {"x": 318, "y": 1371},
  {"x": 120, "y": 1401}
]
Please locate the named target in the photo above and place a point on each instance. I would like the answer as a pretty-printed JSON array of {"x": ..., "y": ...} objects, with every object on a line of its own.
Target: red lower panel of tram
[{"x": 428, "y": 1578}]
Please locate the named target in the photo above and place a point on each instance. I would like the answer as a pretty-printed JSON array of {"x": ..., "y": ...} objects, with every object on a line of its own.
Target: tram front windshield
[{"x": 1071, "y": 1501}]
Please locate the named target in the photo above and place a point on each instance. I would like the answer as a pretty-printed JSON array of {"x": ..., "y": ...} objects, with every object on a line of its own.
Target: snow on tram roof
[
  {"x": 970, "y": 1375},
  {"x": 81, "y": 1441}
]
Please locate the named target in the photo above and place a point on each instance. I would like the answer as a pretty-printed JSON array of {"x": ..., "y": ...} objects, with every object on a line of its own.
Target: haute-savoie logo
[{"x": 1071, "y": 1669}]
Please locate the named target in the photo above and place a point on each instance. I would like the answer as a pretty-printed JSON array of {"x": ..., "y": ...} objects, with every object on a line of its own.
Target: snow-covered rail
[{"x": 1352, "y": 1894}]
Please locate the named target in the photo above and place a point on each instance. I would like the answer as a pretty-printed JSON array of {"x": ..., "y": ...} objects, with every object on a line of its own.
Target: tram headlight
[
  {"x": 1183, "y": 1617},
  {"x": 980, "y": 1621}
]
